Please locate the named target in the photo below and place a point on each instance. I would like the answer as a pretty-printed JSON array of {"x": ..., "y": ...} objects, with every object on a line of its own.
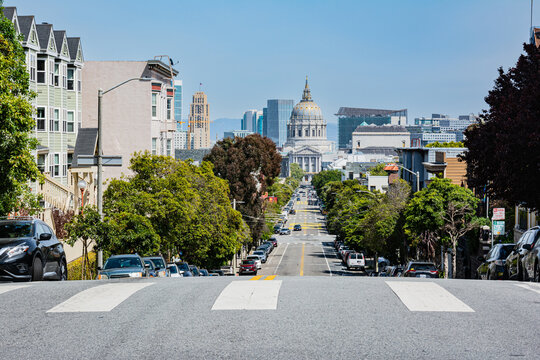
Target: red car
[
  {"x": 273, "y": 240},
  {"x": 248, "y": 267}
]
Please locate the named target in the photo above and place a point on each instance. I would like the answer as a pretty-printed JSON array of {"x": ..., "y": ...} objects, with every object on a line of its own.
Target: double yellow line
[{"x": 258, "y": 277}]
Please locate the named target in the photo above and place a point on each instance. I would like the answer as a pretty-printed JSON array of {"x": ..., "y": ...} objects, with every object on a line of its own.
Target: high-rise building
[
  {"x": 178, "y": 104},
  {"x": 265, "y": 122},
  {"x": 249, "y": 120},
  {"x": 278, "y": 114},
  {"x": 260, "y": 123},
  {"x": 199, "y": 122},
  {"x": 350, "y": 118}
]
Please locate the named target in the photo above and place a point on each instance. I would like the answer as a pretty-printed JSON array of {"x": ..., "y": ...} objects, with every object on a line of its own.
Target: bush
[{"x": 75, "y": 271}]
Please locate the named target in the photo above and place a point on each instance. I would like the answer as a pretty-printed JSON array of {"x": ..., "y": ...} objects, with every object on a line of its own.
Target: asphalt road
[
  {"x": 309, "y": 252},
  {"x": 309, "y": 317}
]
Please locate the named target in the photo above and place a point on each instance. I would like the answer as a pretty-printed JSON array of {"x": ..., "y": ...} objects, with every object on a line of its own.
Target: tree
[
  {"x": 297, "y": 172},
  {"x": 250, "y": 166},
  {"x": 442, "y": 212},
  {"x": 324, "y": 177},
  {"x": 378, "y": 170},
  {"x": 503, "y": 155},
  {"x": 17, "y": 164}
]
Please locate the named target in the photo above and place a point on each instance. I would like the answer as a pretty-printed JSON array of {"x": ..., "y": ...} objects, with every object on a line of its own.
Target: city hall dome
[{"x": 306, "y": 109}]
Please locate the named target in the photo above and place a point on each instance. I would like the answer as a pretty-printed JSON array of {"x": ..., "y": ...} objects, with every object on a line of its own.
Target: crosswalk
[{"x": 260, "y": 292}]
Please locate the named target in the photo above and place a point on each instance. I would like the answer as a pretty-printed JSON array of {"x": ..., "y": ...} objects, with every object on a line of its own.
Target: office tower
[
  {"x": 199, "y": 122},
  {"x": 278, "y": 114}
]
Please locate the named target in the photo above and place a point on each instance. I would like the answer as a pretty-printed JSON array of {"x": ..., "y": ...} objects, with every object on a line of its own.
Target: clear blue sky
[{"x": 429, "y": 56}]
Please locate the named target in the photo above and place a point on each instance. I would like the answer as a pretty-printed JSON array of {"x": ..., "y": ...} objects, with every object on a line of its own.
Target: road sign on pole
[
  {"x": 498, "y": 227},
  {"x": 498, "y": 214}
]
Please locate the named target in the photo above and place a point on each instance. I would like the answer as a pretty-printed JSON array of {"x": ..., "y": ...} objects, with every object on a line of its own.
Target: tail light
[{"x": 433, "y": 271}]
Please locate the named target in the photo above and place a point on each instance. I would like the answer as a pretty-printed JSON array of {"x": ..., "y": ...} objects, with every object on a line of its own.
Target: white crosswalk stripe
[
  {"x": 532, "y": 287},
  {"x": 427, "y": 296},
  {"x": 249, "y": 295},
  {"x": 99, "y": 298},
  {"x": 6, "y": 288}
]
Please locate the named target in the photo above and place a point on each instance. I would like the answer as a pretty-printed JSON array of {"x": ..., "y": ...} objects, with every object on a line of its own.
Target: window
[
  {"x": 56, "y": 74},
  {"x": 56, "y": 121},
  {"x": 51, "y": 72},
  {"x": 41, "y": 71},
  {"x": 154, "y": 146},
  {"x": 64, "y": 76},
  {"x": 40, "y": 119},
  {"x": 169, "y": 108},
  {"x": 70, "y": 121},
  {"x": 154, "y": 105},
  {"x": 307, "y": 132},
  {"x": 313, "y": 132},
  {"x": 70, "y": 79},
  {"x": 64, "y": 167},
  {"x": 64, "y": 121},
  {"x": 55, "y": 166},
  {"x": 32, "y": 67},
  {"x": 168, "y": 147},
  {"x": 79, "y": 87},
  {"x": 69, "y": 160},
  {"x": 299, "y": 133},
  {"x": 41, "y": 162},
  {"x": 319, "y": 132}
]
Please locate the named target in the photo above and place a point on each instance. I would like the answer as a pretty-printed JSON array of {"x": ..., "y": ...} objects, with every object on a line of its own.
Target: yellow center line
[
  {"x": 302, "y": 261},
  {"x": 256, "y": 277},
  {"x": 271, "y": 277}
]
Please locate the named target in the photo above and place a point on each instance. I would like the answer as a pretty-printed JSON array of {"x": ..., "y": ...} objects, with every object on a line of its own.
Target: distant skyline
[{"x": 424, "y": 55}]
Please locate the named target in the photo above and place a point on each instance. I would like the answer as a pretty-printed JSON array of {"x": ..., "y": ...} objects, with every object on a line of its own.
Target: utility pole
[
  {"x": 100, "y": 172},
  {"x": 236, "y": 254}
]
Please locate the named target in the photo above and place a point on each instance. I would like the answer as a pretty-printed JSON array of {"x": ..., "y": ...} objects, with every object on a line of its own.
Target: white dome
[{"x": 306, "y": 111}]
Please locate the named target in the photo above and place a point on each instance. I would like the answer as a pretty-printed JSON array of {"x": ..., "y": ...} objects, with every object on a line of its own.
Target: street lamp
[
  {"x": 82, "y": 186},
  {"x": 417, "y": 174},
  {"x": 100, "y": 154}
]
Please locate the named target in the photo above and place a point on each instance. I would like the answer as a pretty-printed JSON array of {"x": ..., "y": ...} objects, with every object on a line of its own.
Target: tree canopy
[
  {"x": 250, "y": 166},
  {"x": 17, "y": 164},
  {"x": 378, "y": 170},
  {"x": 297, "y": 172},
  {"x": 503, "y": 146},
  {"x": 324, "y": 177}
]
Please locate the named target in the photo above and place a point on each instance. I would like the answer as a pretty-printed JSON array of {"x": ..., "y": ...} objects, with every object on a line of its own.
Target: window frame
[
  {"x": 154, "y": 102},
  {"x": 42, "y": 119},
  {"x": 72, "y": 122},
  {"x": 42, "y": 72},
  {"x": 70, "y": 82}
]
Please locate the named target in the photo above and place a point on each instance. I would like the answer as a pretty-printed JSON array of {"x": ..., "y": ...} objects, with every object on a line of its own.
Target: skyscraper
[
  {"x": 249, "y": 120},
  {"x": 278, "y": 113},
  {"x": 199, "y": 122}
]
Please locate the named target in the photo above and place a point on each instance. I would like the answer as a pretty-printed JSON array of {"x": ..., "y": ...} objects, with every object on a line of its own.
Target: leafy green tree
[
  {"x": 17, "y": 164},
  {"x": 503, "y": 156},
  {"x": 324, "y": 177},
  {"x": 297, "y": 172},
  {"x": 441, "y": 213},
  {"x": 378, "y": 170},
  {"x": 250, "y": 166}
]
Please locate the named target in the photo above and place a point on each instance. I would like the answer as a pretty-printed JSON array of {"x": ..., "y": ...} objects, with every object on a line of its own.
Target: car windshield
[
  {"x": 149, "y": 263},
  {"x": 122, "y": 262},
  {"x": 258, "y": 252},
  {"x": 173, "y": 270},
  {"x": 253, "y": 257},
  {"x": 11, "y": 230},
  {"x": 420, "y": 267},
  {"x": 183, "y": 266},
  {"x": 158, "y": 262}
]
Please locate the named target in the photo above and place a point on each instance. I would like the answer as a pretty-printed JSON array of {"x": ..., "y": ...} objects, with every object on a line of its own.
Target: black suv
[{"x": 29, "y": 251}]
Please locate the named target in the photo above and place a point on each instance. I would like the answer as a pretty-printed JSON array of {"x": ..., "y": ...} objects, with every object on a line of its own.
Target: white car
[
  {"x": 173, "y": 270},
  {"x": 257, "y": 259},
  {"x": 356, "y": 261},
  {"x": 262, "y": 255}
]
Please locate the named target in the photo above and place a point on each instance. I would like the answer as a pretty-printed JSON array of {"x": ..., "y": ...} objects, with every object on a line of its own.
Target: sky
[{"x": 428, "y": 56}]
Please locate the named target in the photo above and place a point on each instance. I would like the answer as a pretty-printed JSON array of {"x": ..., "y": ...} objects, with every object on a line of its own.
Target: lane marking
[
  {"x": 302, "y": 260},
  {"x": 282, "y": 255},
  {"x": 99, "y": 298},
  {"x": 256, "y": 277},
  {"x": 322, "y": 247},
  {"x": 529, "y": 287},
  {"x": 6, "y": 288},
  {"x": 427, "y": 296},
  {"x": 249, "y": 295},
  {"x": 271, "y": 277}
]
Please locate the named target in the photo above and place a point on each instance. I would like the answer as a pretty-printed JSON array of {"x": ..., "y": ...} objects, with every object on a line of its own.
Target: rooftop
[
  {"x": 380, "y": 128},
  {"x": 361, "y": 112}
]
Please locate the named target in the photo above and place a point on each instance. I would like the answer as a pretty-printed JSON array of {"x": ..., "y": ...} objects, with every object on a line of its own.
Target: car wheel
[
  {"x": 519, "y": 273},
  {"x": 536, "y": 273},
  {"x": 37, "y": 270},
  {"x": 63, "y": 271}
]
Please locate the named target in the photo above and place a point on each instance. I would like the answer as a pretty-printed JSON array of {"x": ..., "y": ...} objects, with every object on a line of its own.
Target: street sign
[
  {"x": 498, "y": 214},
  {"x": 498, "y": 227}
]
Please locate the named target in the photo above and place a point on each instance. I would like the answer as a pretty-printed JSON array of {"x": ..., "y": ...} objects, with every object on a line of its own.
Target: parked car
[
  {"x": 217, "y": 272},
  {"x": 248, "y": 267},
  {"x": 342, "y": 250},
  {"x": 297, "y": 227},
  {"x": 152, "y": 272},
  {"x": 262, "y": 255},
  {"x": 123, "y": 266},
  {"x": 277, "y": 229},
  {"x": 273, "y": 240},
  {"x": 204, "y": 272},
  {"x": 345, "y": 254},
  {"x": 420, "y": 270},
  {"x": 270, "y": 244},
  {"x": 492, "y": 267},
  {"x": 285, "y": 231},
  {"x": 184, "y": 266},
  {"x": 257, "y": 260},
  {"x": 160, "y": 268},
  {"x": 531, "y": 261},
  {"x": 394, "y": 271},
  {"x": 195, "y": 270},
  {"x": 514, "y": 262},
  {"x": 356, "y": 261},
  {"x": 29, "y": 251},
  {"x": 266, "y": 247},
  {"x": 173, "y": 271}
]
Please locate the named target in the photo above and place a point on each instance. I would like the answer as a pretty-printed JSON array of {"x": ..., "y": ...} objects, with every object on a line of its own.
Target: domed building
[{"x": 306, "y": 137}]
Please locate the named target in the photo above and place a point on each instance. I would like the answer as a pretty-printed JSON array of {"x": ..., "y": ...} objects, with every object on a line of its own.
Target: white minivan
[{"x": 356, "y": 261}]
